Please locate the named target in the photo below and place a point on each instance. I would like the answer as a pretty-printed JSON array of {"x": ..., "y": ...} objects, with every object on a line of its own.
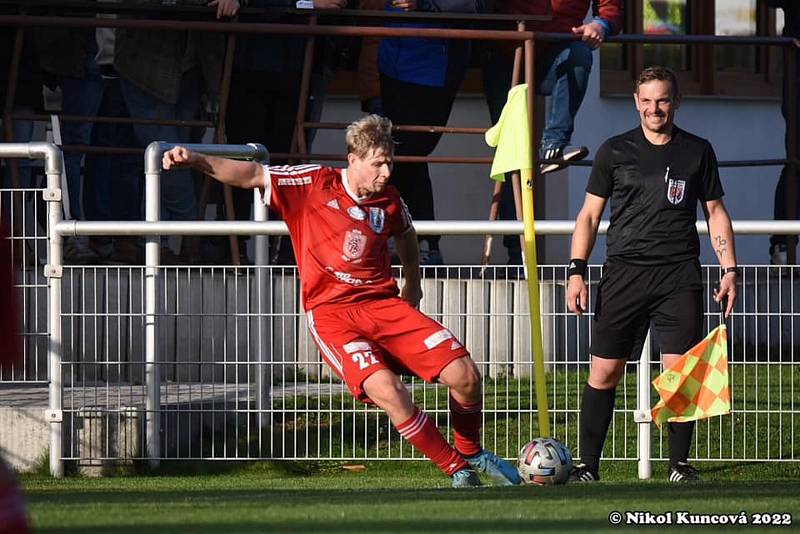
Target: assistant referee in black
[{"x": 654, "y": 175}]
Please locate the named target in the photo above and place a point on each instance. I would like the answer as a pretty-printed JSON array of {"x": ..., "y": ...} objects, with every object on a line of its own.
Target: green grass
[
  {"x": 387, "y": 497},
  {"x": 763, "y": 425}
]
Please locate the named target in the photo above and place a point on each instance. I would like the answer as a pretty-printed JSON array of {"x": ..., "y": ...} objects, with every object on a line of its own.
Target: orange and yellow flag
[{"x": 696, "y": 386}]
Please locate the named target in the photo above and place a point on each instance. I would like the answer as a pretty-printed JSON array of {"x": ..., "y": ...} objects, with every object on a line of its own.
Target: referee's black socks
[
  {"x": 597, "y": 409},
  {"x": 680, "y": 440}
]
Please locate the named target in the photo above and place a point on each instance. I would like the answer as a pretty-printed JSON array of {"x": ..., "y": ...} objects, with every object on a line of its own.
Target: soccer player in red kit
[{"x": 368, "y": 332}]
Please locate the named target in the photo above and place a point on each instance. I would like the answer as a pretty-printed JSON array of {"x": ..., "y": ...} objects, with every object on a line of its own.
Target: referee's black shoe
[
  {"x": 683, "y": 472},
  {"x": 582, "y": 473},
  {"x": 557, "y": 158}
]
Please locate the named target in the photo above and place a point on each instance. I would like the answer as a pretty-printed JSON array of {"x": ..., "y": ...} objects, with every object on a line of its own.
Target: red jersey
[
  {"x": 340, "y": 240},
  {"x": 565, "y": 14}
]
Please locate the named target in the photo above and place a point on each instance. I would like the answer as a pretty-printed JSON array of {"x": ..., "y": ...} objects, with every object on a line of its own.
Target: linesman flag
[{"x": 696, "y": 386}]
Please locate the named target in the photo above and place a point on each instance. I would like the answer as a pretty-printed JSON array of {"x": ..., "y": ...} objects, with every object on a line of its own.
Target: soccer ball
[{"x": 544, "y": 461}]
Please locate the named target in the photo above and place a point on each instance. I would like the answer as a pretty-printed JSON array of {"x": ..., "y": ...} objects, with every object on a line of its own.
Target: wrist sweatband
[{"x": 576, "y": 266}]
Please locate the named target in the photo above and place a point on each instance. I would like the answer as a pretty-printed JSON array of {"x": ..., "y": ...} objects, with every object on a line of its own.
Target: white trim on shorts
[{"x": 325, "y": 351}]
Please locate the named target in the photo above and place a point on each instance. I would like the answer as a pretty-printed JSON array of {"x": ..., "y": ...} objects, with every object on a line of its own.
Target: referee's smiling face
[{"x": 656, "y": 105}]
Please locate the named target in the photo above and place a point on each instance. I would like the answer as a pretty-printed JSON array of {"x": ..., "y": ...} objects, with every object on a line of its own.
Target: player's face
[
  {"x": 656, "y": 105},
  {"x": 372, "y": 172}
]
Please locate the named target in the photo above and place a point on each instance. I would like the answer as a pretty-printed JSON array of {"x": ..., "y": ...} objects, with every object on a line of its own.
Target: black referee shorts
[{"x": 630, "y": 297}]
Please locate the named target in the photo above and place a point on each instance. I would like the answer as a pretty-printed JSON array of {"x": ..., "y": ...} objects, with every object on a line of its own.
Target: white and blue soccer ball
[{"x": 544, "y": 462}]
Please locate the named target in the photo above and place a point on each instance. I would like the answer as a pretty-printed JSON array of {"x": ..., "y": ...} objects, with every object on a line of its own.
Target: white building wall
[{"x": 738, "y": 130}]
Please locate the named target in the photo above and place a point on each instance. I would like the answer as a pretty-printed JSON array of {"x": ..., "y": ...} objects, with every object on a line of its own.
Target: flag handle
[{"x": 723, "y": 304}]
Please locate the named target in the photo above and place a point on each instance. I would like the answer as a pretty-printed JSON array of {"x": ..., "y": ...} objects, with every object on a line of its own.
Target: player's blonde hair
[{"x": 368, "y": 133}]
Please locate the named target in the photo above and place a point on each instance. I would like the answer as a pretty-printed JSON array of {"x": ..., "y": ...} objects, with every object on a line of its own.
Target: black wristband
[
  {"x": 576, "y": 266},
  {"x": 727, "y": 270}
]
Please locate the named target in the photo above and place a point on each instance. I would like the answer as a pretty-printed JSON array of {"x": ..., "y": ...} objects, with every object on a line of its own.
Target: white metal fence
[{"x": 212, "y": 362}]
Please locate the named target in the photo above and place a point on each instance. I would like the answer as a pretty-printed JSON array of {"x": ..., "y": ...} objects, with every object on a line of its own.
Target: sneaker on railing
[
  {"x": 683, "y": 472},
  {"x": 582, "y": 473},
  {"x": 466, "y": 478},
  {"x": 500, "y": 471},
  {"x": 559, "y": 157},
  {"x": 778, "y": 254}
]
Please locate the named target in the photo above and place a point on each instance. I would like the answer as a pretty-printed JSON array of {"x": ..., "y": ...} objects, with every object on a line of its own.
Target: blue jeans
[
  {"x": 178, "y": 201},
  {"x": 562, "y": 73},
  {"x": 81, "y": 96}
]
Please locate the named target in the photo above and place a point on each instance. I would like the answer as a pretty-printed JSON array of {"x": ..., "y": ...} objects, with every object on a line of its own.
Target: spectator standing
[
  {"x": 164, "y": 75},
  {"x": 81, "y": 63},
  {"x": 264, "y": 97},
  {"x": 562, "y": 72},
  {"x": 419, "y": 80},
  {"x": 791, "y": 28},
  {"x": 27, "y": 99}
]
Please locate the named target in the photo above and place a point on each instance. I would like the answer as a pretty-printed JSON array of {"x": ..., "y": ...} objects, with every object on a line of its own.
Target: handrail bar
[{"x": 546, "y": 227}]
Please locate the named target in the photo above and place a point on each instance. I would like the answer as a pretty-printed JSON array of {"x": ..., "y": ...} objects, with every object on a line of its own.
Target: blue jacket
[{"x": 431, "y": 62}]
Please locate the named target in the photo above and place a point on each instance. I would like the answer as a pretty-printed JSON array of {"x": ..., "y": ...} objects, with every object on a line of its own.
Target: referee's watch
[{"x": 727, "y": 270}]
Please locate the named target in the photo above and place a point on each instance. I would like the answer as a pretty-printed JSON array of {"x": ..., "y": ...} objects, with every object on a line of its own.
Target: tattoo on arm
[{"x": 721, "y": 242}]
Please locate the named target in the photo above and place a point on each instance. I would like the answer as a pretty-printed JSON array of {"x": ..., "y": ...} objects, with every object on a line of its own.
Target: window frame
[{"x": 702, "y": 78}]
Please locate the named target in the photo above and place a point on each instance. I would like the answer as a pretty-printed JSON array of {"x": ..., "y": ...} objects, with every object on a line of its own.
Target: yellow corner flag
[
  {"x": 696, "y": 386},
  {"x": 511, "y": 136}
]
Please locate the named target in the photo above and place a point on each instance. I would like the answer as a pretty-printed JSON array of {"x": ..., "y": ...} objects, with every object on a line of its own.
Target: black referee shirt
[{"x": 654, "y": 190}]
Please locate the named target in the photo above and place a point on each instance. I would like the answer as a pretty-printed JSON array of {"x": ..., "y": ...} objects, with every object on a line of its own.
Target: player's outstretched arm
[
  {"x": 720, "y": 231},
  {"x": 583, "y": 238},
  {"x": 244, "y": 174},
  {"x": 408, "y": 250}
]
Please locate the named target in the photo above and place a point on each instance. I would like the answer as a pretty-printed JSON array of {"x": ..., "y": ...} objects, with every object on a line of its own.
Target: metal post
[
  {"x": 152, "y": 173},
  {"x": 642, "y": 414},
  {"x": 152, "y": 259},
  {"x": 54, "y": 165},
  {"x": 263, "y": 370}
]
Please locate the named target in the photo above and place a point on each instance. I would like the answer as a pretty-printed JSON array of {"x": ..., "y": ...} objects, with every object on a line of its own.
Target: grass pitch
[{"x": 404, "y": 497}]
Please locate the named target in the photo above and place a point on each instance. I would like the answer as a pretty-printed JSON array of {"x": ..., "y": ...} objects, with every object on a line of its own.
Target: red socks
[
  {"x": 420, "y": 431},
  {"x": 466, "y": 421}
]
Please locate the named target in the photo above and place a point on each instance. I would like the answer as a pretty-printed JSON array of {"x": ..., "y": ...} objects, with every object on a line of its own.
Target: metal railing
[
  {"x": 254, "y": 394},
  {"x": 524, "y": 69},
  {"x": 278, "y": 393}
]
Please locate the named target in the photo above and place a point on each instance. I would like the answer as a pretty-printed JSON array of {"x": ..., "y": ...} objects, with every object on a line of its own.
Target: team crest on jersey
[
  {"x": 354, "y": 245},
  {"x": 376, "y": 219},
  {"x": 676, "y": 189},
  {"x": 356, "y": 213}
]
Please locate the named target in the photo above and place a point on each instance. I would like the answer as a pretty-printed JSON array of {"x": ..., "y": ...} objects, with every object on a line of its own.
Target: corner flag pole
[
  {"x": 533, "y": 302},
  {"x": 529, "y": 233}
]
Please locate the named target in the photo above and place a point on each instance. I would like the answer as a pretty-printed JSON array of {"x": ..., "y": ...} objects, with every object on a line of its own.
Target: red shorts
[{"x": 359, "y": 339}]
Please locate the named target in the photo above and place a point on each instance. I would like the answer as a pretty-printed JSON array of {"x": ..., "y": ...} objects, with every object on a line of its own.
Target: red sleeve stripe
[
  {"x": 292, "y": 170},
  {"x": 266, "y": 192}
]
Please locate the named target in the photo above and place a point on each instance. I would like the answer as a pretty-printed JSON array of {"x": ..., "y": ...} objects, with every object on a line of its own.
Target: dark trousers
[
  {"x": 262, "y": 108},
  {"x": 408, "y": 103},
  {"x": 781, "y": 189}
]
